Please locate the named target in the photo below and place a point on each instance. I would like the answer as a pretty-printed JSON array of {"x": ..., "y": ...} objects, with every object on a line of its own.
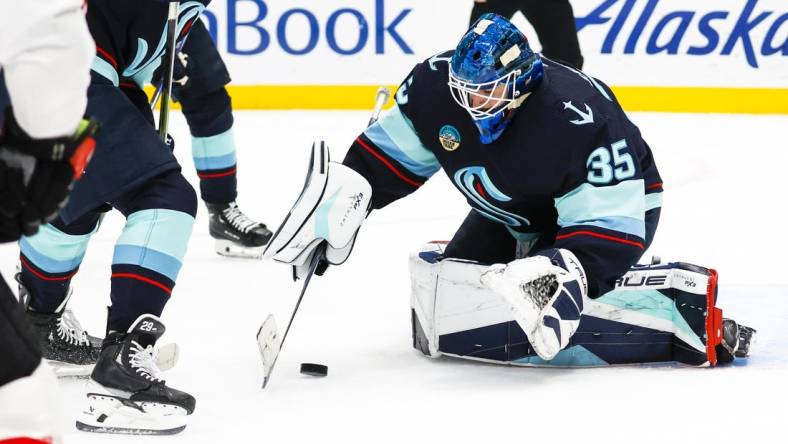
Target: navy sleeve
[{"x": 390, "y": 154}]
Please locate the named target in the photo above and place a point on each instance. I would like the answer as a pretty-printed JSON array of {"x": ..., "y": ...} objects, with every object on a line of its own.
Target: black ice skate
[
  {"x": 236, "y": 235},
  {"x": 737, "y": 341},
  {"x": 66, "y": 347},
  {"x": 125, "y": 393}
]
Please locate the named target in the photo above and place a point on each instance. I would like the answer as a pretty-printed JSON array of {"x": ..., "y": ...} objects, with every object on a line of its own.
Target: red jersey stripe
[
  {"x": 601, "y": 236},
  {"x": 388, "y": 164}
]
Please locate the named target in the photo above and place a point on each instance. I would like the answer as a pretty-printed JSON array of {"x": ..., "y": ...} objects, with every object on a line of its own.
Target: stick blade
[{"x": 269, "y": 343}]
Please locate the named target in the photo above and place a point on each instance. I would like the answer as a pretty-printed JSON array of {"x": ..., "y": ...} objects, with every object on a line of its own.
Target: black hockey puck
[{"x": 314, "y": 369}]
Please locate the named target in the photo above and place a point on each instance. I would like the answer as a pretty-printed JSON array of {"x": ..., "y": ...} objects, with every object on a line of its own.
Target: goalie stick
[
  {"x": 268, "y": 335},
  {"x": 381, "y": 97}
]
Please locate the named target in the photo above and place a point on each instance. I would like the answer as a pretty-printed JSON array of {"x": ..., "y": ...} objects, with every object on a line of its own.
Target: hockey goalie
[{"x": 565, "y": 198}]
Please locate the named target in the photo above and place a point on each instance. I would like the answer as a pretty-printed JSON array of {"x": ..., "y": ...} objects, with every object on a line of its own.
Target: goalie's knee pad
[{"x": 656, "y": 313}]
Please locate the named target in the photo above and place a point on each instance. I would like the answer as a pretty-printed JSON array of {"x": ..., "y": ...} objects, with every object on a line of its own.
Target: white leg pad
[{"x": 448, "y": 296}]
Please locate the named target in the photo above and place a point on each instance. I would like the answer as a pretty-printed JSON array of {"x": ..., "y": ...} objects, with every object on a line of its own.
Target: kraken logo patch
[{"x": 450, "y": 138}]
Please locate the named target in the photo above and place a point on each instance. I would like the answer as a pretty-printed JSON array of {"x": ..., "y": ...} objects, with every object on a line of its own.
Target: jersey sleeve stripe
[
  {"x": 653, "y": 200},
  {"x": 601, "y": 236},
  {"x": 388, "y": 164},
  {"x": 621, "y": 206},
  {"x": 626, "y": 225},
  {"x": 394, "y": 135},
  {"x": 654, "y": 186}
]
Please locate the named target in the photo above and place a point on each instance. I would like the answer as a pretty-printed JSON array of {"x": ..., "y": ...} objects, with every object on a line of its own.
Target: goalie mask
[{"x": 491, "y": 73}]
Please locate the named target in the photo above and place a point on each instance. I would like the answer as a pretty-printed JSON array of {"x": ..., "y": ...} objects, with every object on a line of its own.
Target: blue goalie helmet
[{"x": 492, "y": 72}]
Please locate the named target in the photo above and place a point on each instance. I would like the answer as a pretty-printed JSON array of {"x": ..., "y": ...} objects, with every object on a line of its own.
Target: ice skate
[
  {"x": 236, "y": 234},
  {"x": 737, "y": 341},
  {"x": 65, "y": 346},
  {"x": 126, "y": 394}
]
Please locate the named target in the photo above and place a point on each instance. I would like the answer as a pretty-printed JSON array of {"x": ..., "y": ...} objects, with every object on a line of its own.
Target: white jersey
[{"x": 45, "y": 54}]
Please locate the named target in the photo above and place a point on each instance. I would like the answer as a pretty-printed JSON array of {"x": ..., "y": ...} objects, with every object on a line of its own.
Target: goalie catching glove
[
  {"x": 333, "y": 204},
  {"x": 546, "y": 293}
]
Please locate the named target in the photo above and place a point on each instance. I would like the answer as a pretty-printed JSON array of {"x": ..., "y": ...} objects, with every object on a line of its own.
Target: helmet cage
[{"x": 493, "y": 100}]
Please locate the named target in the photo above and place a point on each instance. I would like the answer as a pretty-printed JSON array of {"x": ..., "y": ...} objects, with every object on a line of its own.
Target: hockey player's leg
[
  {"x": 125, "y": 393},
  {"x": 207, "y": 108},
  {"x": 26, "y": 383},
  {"x": 236, "y": 234},
  {"x": 49, "y": 260}
]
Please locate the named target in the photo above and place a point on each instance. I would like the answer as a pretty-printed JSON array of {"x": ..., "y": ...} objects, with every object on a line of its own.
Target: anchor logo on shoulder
[{"x": 585, "y": 117}]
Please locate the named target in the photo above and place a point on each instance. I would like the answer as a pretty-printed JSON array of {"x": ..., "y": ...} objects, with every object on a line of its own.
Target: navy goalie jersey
[{"x": 570, "y": 171}]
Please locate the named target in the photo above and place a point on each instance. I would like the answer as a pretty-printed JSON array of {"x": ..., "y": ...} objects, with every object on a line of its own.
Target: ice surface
[{"x": 724, "y": 208}]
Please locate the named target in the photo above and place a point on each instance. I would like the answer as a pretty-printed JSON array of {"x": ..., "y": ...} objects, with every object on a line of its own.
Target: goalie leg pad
[{"x": 656, "y": 313}]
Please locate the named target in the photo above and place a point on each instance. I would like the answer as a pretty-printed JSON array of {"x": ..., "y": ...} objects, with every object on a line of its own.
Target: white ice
[{"x": 724, "y": 208}]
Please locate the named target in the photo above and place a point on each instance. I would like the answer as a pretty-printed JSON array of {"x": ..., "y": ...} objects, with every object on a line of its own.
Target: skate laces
[
  {"x": 70, "y": 330},
  {"x": 238, "y": 219},
  {"x": 143, "y": 360}
]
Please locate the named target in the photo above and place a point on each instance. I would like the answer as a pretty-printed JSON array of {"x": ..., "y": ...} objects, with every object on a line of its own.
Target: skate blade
[
  {"x": 231, "y": 249},
  {"x": 66, "y": 370},
  {"x": 111, "y": 414}
]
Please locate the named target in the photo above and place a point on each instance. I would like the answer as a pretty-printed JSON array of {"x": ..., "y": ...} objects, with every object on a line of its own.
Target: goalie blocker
[
  {"x": 656, "y": 313},
  {"x": 331, "y": 207}
]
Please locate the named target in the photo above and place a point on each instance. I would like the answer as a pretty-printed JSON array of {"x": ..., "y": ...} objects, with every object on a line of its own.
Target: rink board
[{"x": 727, "y": 56}]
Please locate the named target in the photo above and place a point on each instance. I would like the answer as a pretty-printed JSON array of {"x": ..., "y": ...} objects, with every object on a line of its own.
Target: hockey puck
[{"x": 314, "y": 369}]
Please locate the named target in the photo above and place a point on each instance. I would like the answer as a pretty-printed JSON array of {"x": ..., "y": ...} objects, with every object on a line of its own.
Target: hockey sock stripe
[
  {"x": 143, "y": 279},
  {"x": 214, "y": 152},
  {"x": 136, "y": 291},
  {"x": 154, "y": 240},
  {"x": 32, "y": 269},
  {"x": 388, "y": 164},
  {"x": 147, "y": 258},
  {"x": 54, "y": 251},
  {"x": 230, "y": 172}
]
